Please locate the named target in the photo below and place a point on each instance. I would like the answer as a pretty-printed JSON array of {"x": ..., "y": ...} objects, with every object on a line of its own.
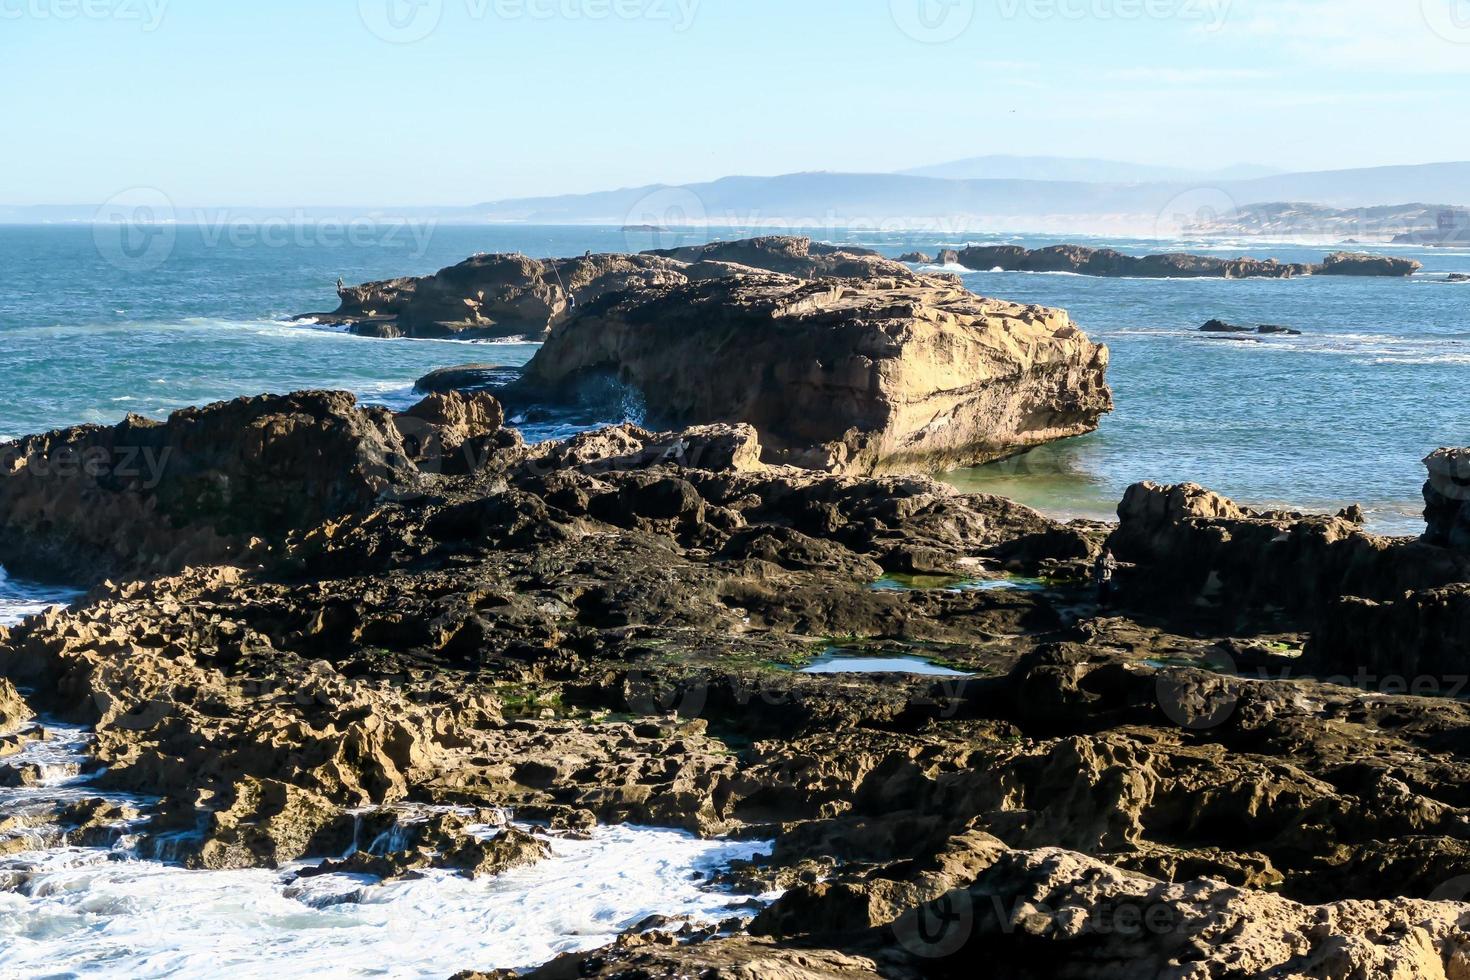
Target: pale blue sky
[{"x": 300, "y": 103}]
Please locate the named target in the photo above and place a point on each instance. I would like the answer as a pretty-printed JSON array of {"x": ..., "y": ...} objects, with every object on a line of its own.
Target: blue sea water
[{"x": 94, "y": 325}]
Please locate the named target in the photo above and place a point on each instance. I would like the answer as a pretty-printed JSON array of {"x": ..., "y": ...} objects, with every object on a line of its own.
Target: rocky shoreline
[
  {"x": 308, "y": 618},
  {"x": 1107, "y": 262},
  {"x": 602, "y": 631}
]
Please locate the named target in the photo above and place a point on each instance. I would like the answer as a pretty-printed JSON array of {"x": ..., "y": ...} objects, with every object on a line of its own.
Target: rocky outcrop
[
  {"x": 1199, "y": 552},
  {"x": 916, "y": 258},
  {"x": 465, "y": 377},
  {"x": 13, "y": 710},
  {"x": 853, "y": 376},
  {"x": 1362, "y": 264},
  {"x": 1447, "y": 499},
  {"x": 1220, "y": 326},
  {"x": 791, "y": 256},
  {"x": 509, "y": 295},
  {"x": 491, "y": 296},
  {"x": 216, "y": 484},
  {"x": 1175, "y": 265}
]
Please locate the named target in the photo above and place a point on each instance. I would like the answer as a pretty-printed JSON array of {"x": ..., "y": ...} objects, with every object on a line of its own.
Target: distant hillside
[
  {"x": 1339, "y": 203},
  {"x": 1297, "y": 219},
  {"x": 825, "y": 199},
  {"x": 1003, "y": 167}
]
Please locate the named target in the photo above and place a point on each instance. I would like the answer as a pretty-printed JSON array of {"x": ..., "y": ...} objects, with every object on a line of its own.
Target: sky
[{"x": 451, "y": 102}]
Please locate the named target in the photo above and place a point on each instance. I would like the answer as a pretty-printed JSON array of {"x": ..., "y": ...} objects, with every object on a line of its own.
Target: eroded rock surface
[{"x": 611, "y": 630}]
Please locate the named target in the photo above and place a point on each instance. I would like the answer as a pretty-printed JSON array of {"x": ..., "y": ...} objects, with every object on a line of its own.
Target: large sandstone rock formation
[
  {"x": 856, "y": 376},
  {"x": 510, "y": 295},
  {"x": 492, "y": 296},
  {"x": 1174, "y": 265}
]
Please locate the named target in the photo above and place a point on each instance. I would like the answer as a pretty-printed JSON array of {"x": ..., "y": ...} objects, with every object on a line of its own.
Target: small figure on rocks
[{"x": 1103, "y": 571}]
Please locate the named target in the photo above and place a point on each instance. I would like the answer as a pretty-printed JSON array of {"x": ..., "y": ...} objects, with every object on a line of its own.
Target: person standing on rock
[{"x": 1103, "y": 571}]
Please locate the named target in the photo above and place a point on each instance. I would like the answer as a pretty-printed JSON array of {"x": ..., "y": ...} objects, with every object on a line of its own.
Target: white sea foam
[
  {"x": 86, "y": 913},
  {"x": 98, "y": 913},
  {"x": 21, "y": 599}
]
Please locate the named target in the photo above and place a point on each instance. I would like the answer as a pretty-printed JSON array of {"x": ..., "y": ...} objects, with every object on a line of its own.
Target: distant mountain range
[
  {"x": 1081, "y": 169},
  {"x": 984, "y": 194},
  {"x": 1162, "y": 208}
]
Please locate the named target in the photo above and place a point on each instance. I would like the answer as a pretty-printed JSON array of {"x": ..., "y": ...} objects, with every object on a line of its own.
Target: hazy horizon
[{"x": 433, "y": 103}]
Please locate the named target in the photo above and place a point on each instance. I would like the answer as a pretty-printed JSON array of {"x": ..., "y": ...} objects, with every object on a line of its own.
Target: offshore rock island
[{"x": 311, "y": 614}]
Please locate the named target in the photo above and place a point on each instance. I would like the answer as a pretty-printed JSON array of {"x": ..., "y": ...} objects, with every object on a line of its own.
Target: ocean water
[
  {"x": 113, "y": 913},
  {"x": 95, "y": 324},
  {"x": 119, "y": 913}
]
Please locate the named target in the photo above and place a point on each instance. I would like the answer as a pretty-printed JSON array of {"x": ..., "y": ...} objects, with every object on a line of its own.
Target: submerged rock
[
  {"x": 851, "y": 376},
  {"x": 1220, "y": 326}
]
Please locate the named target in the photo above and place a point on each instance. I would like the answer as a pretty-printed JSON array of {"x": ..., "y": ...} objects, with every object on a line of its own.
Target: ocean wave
[{"x": 19, "y": 598}]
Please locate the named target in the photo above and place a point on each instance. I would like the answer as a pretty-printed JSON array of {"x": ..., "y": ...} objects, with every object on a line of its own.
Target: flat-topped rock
[
  {"x": 1174, "y": 265},
  {"x": 508, "y": 295},
  {"x": 853, "y": 376},
  {"x": 793, "y": 256}
]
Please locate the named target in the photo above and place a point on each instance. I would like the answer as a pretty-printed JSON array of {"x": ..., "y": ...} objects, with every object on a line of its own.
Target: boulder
[
  {"x": 1197, "y": 551},
  {"x": 852, "y": 376},
  {"x": 13, "y": 709},
  {"x": 916, "y": 258},
  {"x": 1447, "y": 499},
  {"x": 465, "y": 377},
  {"x": 207, "y": 485},
  {"x": 1413, "y": 645},
  {"x": 1362, "y": 264}
]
